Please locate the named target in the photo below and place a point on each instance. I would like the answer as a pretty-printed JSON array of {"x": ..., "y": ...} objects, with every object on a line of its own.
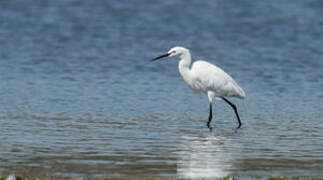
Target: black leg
[
  {"x": 210, "y": 117},
  {"x": 235, "y": 110}
]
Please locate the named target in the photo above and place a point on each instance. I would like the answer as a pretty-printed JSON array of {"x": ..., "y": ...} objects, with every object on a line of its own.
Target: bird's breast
[{"x": 194, "y": 84}]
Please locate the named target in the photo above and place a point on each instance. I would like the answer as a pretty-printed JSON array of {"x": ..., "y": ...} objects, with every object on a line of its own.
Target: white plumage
[{"x": 207, "y": 78}]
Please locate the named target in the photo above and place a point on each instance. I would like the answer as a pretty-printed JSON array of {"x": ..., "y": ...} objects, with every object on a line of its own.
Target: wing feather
[{"x": 212, "y": 78}]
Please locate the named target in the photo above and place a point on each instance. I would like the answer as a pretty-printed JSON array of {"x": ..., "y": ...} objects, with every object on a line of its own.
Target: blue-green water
[{"x": 79, "y": 97}]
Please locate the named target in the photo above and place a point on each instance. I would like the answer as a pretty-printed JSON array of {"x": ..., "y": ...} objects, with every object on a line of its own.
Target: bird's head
[{"x": 175, "y": 51}]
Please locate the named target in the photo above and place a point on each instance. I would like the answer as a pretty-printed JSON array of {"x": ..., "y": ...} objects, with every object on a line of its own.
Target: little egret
[{"x": 207, "y": 78}]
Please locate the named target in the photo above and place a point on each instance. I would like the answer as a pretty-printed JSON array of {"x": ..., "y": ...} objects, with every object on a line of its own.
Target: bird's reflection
[{"x": 203, "y": 157}]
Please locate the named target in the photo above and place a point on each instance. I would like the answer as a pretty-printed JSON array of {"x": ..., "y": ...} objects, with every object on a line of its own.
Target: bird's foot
[
  {"x": 210, "y": 127},
  {"x": 236, "y": 130}
]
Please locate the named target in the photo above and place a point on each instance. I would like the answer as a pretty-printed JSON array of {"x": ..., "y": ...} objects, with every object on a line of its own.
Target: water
[{"x": 79, "y": 97}]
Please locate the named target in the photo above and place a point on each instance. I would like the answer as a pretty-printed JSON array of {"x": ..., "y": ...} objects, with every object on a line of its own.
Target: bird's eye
[{"x": 174, "y": 51}]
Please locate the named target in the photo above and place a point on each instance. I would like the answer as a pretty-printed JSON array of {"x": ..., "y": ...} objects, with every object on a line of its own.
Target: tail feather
[
  {"x": 240, "y": 93},
  {"x": 236, "y": 91}
]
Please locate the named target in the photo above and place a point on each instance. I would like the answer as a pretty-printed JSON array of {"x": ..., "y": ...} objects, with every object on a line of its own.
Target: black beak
[{"x": 159, "y": 57}]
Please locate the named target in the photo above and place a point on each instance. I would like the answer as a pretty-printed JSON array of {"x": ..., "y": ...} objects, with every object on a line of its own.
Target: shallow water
[{"x": 79, "y": 97}]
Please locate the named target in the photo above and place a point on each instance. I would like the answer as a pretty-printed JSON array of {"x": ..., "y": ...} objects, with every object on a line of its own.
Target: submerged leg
[
  {"x": 235, "y": 110},
  {"x": 210, "y": 118}
]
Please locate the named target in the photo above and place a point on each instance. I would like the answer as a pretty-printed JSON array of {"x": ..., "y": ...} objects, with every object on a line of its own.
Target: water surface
[{"x": 79, "y": 97}]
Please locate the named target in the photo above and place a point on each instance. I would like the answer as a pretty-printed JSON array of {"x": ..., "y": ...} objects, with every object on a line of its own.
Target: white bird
[{"x": 207, "y": 78}]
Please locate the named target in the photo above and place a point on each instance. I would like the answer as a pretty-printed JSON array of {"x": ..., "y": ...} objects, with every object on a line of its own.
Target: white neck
[{"x": 184, "y": 66}]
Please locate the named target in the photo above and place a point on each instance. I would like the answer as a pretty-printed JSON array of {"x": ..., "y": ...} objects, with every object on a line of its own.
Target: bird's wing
[{"x": 213, "y": 78}]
